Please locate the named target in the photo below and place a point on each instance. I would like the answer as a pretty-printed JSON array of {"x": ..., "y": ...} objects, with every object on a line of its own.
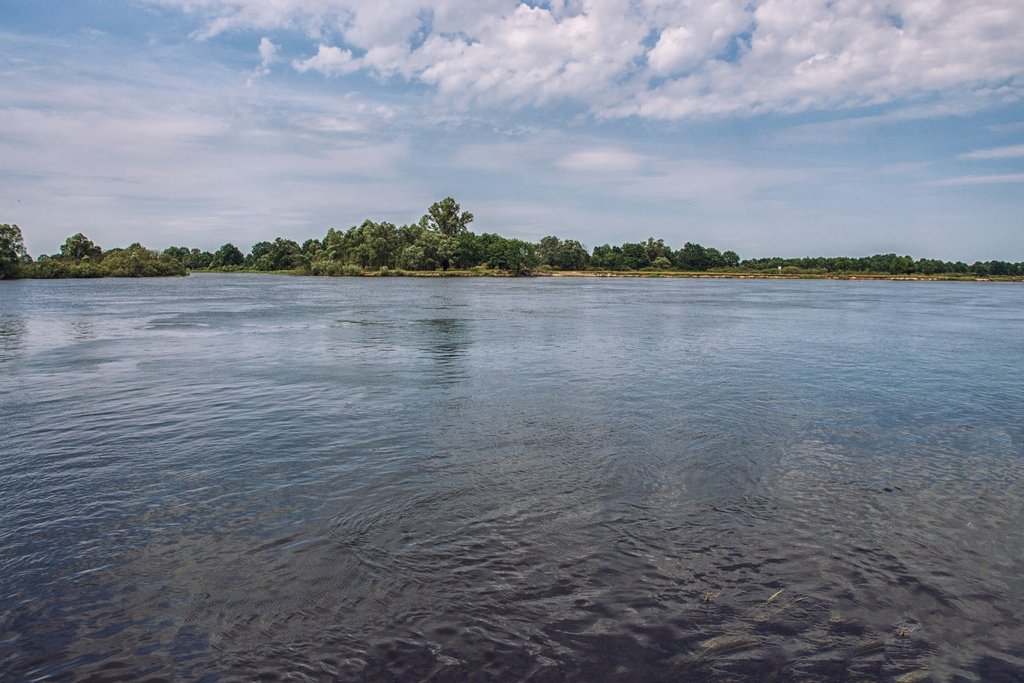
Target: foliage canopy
[{"x": 12, "y": 250}]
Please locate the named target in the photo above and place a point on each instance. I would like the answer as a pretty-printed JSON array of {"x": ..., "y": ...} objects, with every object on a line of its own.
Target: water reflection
[
  {"x": 446, "y": 340},
  {"x": 13, "y": 330}
]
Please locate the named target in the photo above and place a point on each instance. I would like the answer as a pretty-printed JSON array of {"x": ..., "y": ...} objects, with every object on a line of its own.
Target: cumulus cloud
[
  {"x": 695, "y": 32},
  {"x": 268, "y": 55},
  {"x": 268, "y": 52},
  {"x": 658, "y": 59},
  {"x": 329, "y": 60}
]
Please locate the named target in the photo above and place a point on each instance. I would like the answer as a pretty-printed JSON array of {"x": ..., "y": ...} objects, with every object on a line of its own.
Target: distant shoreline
[
  {"x": 619, "y": 274},
  {"x": 638, "y": 274},
  {"x": 441, "y": 245},
  {"x": 787, "y": 276}
]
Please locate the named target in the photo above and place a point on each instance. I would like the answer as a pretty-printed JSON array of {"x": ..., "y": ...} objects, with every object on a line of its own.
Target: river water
[{"x": 230, "y": 477}]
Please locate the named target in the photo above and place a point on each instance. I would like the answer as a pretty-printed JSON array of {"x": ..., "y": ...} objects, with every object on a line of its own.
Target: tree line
[
  {"x": 80, "y": 257},
  {"x": 440, "y": 241}
]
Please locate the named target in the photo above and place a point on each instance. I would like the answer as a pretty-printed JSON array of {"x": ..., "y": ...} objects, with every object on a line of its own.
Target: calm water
[{"x": 231, "y": 477}]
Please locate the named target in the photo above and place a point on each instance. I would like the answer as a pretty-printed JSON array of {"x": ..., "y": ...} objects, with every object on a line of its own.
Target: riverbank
[
  {"x": 670, "y": 274},
  {"x": 784, "y": 276},
  {"x": 45, "y": 270}
]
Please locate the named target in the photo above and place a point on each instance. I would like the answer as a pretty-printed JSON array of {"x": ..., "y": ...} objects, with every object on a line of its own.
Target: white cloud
[
  {"x": 809, "y": 54},
  {"x": 994, "y": 179},
  {"x": 334, "y": 124},
  {"x": 1008, "y": 152},
  {"x": 697, "y": 32},
  {"x": 606, "y": 159},
  {"x": 268, "y": 55},
  {"x": 660, "y": 59},
  {"x": 268, "y": 52},
  {"x": 329, "y": 60},
  {"x": 527, "y": 57},
  {"x": 184, "y": 153},
  {"x": 174, "y": 143}
]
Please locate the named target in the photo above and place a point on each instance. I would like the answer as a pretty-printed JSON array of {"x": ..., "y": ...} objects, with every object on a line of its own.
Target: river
[{"x": 228, "y": 477}]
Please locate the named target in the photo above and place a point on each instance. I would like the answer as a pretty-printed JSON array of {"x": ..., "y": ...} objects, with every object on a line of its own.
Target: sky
[{"x": 768, "y": 127}]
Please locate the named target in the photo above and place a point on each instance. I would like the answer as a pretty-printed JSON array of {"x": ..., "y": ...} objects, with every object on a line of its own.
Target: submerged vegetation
[{"x": 440, "y": 243}]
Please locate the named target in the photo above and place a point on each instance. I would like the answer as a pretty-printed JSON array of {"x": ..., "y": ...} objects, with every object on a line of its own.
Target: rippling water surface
[{"x": 231, "y": 477}]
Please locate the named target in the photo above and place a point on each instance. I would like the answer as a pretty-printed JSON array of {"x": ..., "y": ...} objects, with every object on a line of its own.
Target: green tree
[
  {"x": 730, "y": 259},
  {"x": 198, "y": 259},
  {"x": 415, "y": 258},
  {"x": 227, "y": 255},
  {"x": 508, "y": 254},
  {"x": 693, "y": 257},
  {"x": 333, "y": 245},
  {"x": 658, "y": 249},
  {"x": 842, "y": 264},
  {"x": 1001, "y": 268},
  {"x": 192, "y": 259},
  {"x": 520, "y": 256},
  {"x": 287, "y": 254},
  {"x": 447, "y": 217},
  {"x": 927, "y": 266},
  {"x": 374, "y": 245},
  {"x": 281, "y": 254},
  {"x": 258, "y": 257},
  {"x": 901, "y": 265},
  {"x": 179, "y": 254},
  {"x": 661, "y": 263},
  {"x": 78, "y": 247},
  {"x": 12, "y": 250},
  {"x": 607, "y": 257},
  {"x": 432, "y": 250},
  {"x": 714, "y": 258},
  {"x": 136, "y": 260},
  {"x": 634, "y": 256},
  {"x": 571, "y": 255},
  {"x": 312, "y": 248},
  {"x": 547, "y": 250},
  {"x": 468, "y": 252}
]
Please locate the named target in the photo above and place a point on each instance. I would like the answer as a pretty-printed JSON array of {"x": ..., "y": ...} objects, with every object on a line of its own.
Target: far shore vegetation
[{"x": 441, "y": 245}]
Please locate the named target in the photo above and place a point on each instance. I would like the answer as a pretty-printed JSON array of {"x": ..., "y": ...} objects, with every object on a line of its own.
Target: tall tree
[
  {"x": 547, "y": 250},
  {"x": 607, "y": 257},
  {"x": 227, "y": 255},
  {"x": 179, "y": 254},
  {"x": 12, "y": 250},
  {"x": 693, "y": 257},
  {"x": 634, "y": 256},
  {"x": 447, "y": 217},
  {"x": 571, "y": 255},
  {"x": 78, "y": 247}
]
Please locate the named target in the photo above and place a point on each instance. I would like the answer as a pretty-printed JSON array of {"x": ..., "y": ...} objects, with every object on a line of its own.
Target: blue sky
[{"x": 769, "y": 127}]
